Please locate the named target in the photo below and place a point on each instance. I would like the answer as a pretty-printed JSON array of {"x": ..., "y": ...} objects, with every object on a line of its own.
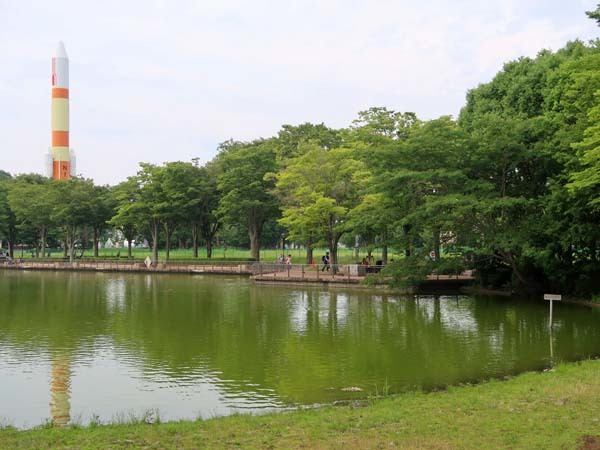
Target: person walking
[{"x": 325, "y": 262}]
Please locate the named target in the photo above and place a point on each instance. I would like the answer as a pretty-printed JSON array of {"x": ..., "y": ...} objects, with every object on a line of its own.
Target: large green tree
[
  {"x": 317, "y": 190},
  {"x": 126, "y": 218},
  {"x": 525, "y": 122},
  {"x": 143, "y": 202},
  {"x": 246, "y": 194},
  {"x": 104, "y": 204},
  {"x": 32, "y": 201},
  {"x": 202, "y": 207},
  {"x": 73, "y": 206}
]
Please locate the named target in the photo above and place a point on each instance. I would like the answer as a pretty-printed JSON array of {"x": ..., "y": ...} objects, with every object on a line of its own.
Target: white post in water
[{"x": 552, "y": 298}]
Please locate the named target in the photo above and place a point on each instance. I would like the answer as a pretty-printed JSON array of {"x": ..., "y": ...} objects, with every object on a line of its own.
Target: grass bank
[
  {"x": 554, "y": 409},
  {"x": 220, "y": 253}
]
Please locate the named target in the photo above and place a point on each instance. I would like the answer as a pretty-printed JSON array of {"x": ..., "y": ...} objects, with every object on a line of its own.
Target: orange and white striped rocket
[{"x": 61, "y": 157}]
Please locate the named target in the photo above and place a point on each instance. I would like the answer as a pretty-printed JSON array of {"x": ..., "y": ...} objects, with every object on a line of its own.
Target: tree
[
  {"x": 595, "y": 14},
  {"x": 5, "y": 213},
  {"x": 104, "y": 204},
  {"x": 73, "y": 205},
  {"x": 150, "y": 204},
  {"x": 125, "y": 216},
  {"x": 202, "y": 206},
  {"x": 178, "y": 195},
  {"x": 32, "y": 200},
  {"x": 586, "y": 180},
  {"x": 247, "y": 197},
  {"x": 142, "y": 202},
  {"x": 290, "y": 138},
  {"x": 317, "y": 190},
  {"x": 372, "y": 219},
  {"x": 525, "y": 122},
  {"x": 378, "y": 125}
]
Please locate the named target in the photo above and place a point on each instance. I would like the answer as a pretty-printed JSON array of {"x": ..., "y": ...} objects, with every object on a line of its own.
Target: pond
[{"x": 81, "y": 347}]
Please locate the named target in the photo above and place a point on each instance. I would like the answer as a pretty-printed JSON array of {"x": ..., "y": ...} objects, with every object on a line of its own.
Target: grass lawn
[
  {"x": 345, "y": 255},
  {"x": 554, "y": 409}
]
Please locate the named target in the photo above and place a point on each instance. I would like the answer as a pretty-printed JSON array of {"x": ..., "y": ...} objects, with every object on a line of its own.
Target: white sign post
[{"x": 552, "y": 298}]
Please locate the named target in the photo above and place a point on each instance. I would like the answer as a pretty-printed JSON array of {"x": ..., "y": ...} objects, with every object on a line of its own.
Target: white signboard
[{"x": 553, "y": 297}]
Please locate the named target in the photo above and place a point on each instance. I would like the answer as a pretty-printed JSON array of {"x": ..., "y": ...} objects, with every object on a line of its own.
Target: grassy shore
[{"x": 559, "y": 408}]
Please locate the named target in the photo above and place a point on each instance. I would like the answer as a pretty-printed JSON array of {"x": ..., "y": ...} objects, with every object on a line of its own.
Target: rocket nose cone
[{"x": 60, "y": 51}]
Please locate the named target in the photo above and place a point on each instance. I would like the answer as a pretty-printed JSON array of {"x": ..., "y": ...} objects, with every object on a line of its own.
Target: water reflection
[
  {"x": 204, "y": 346},
  {"x": 60, "y": 387}
]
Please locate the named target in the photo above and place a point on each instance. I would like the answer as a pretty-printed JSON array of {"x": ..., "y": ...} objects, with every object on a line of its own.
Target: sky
[{"x": 157, "y": 80}]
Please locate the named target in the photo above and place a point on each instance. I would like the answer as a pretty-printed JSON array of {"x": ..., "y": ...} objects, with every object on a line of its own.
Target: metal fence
[{"x": 349, "y": 272}]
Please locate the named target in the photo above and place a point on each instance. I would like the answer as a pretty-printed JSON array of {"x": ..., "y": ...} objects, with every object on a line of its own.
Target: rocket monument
[{"x": 60, "y": 162}]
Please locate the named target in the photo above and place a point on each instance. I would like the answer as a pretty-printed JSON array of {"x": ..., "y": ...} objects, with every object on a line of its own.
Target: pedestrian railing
[{"x": 266, "y": 271}]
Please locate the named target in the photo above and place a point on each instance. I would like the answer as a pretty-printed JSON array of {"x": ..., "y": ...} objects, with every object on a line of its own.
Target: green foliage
[
  {"x": 586, "y": 180},
  {"x": 291, "y": 138},
  {"x": 32, "y": 200},
  {"x": 409, "y": 271},
  {"x": 317, "y": 190},
  {"x": 595, "y": 14},
  {"x": 4, "y": 210},
  {"x": 246, "y": 192}
]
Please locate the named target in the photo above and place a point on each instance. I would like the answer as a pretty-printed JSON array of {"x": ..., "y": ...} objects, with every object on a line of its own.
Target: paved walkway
[
  {"x": 125, "y": 266},
  {"x": 297, "y": 273}
]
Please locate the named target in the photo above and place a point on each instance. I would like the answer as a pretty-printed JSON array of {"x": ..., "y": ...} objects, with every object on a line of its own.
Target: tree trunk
[
  {"x": 195, "y": 227},
  {"x": 129, "y": 233},
  {"x": 71, "y": 241},
  {"x": 333, "y": 249},
  {"x": 384, "y": 246},
  {"x": 154, "y": 228},
  {"x": 309, "y": 251},
  {"x": 43, "y": 233},
  {"x": 209, "y": 248},
  {"x": 12, "y": 237},
  {"x": 96, "y": 239},
  {"x": 254, "y": 236},
  {"x": 167, "y": 242},
  {"x": 208, "y": 232},
  {"x": 333, "y": 254}
]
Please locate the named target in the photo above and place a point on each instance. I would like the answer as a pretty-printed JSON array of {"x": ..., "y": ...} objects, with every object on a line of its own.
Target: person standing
[
  {"x": 288, "y": 260},
  {"x": 325, "y": 262}
]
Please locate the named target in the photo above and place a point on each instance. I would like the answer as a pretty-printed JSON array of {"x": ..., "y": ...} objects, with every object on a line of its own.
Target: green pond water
[{"x": 81, "y": 347}]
